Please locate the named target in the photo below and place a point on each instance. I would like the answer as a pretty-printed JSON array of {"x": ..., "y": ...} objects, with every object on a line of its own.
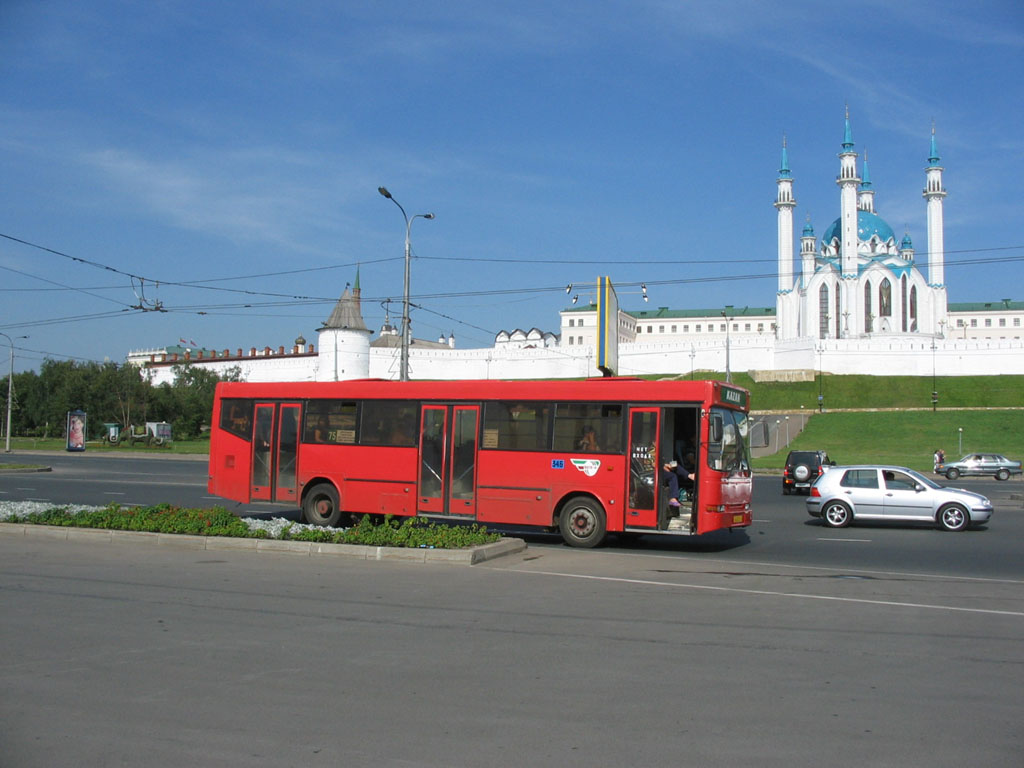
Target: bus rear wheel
[
  {"x": 582, "y": 523},
  {"x": 321, "y": 506}
]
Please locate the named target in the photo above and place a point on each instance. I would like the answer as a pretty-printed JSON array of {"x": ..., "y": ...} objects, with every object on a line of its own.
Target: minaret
[
  {"x": 785, "y": 204},
  {"x": 866, "y": 201},
  {"x": 848, "y": 181},
  {"x": 933, "y": 193},
  {"x": 907, "y": 247},
  {"x": 807, "y": 254}
]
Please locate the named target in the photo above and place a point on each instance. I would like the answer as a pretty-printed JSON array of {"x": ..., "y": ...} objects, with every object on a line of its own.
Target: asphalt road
[
  {"x": 782, "y": 532},
  {"x": 792, "y": 645}
]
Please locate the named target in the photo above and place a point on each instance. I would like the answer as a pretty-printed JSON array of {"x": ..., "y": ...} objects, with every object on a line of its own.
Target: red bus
[{"x": 584, "y": 457}]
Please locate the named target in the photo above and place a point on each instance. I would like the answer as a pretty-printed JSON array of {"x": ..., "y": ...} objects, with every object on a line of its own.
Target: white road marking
[
  {"x": 761, "y": 564},
  {"x": 771, "y": 593},
  {"x": 843, "y": 541}
]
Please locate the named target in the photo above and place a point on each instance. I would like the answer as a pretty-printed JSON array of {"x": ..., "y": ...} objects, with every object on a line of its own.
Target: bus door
[
  {"x": 275, "y": 447},
  {"x": 447, "y": 471},
  {"x": 644, "y": 480}
]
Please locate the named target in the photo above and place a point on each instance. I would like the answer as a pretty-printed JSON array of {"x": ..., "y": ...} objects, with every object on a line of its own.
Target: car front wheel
[
  {"x": 953, "y": 518},
  {"x": 836, "y": 515}
]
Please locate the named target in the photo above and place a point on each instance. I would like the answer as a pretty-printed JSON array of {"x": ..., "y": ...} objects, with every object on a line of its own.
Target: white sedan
[{"x": 845, "y": 494}]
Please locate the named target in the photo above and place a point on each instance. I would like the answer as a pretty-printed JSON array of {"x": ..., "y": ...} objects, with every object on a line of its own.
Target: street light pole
[
  {"x": 821, "y": 395},
  {"x": 403, "y": 364},
  {"x": 10, "y": 391}
]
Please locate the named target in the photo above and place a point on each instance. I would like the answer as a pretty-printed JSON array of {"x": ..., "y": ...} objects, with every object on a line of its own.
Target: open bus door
[
  {"x": 275, "y": 447},
  {"x": 644, "y": 479},
  {"x": 448, "y": 467}
]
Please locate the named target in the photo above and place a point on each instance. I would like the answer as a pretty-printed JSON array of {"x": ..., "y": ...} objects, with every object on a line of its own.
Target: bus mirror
[
  {"x": 759, "y": 435},
  {"x": 716, "y": 428}
]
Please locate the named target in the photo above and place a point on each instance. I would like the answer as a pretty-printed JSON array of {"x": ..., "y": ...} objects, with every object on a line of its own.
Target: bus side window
[
  {"x": 236, "y": 417},
  {"x": 517, "y": 426},
  {"x": 389, "y": 422},
  {"x": 603, "y": 422},
  {"x": 329, "y": 421}
]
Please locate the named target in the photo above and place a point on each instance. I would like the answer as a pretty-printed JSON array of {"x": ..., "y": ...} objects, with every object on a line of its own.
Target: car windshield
[{"x": 926, "y": 481}]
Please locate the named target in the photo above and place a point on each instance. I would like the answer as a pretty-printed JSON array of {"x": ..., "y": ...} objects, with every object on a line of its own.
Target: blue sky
[{"x": 229, "y": 153}]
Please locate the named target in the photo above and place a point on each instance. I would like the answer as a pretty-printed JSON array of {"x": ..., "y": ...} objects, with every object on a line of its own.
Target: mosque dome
[{"x": 868, "y": 225}]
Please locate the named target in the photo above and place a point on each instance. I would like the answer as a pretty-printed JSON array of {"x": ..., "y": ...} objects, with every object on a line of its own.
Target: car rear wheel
[
  {"x": 952, "y": 474},
  {"x": 836, "y": 515},
  {"x": 1003, "y": 474},
  {"x": 582, "y": 523},
  {"x": 953, "y": 518}
]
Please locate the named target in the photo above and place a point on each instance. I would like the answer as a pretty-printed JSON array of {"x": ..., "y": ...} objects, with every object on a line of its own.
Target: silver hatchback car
[{"x": 867, "y": 492}]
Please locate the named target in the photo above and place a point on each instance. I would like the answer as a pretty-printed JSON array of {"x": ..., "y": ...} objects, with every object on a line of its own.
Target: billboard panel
[{"x": 607, "y": 327}]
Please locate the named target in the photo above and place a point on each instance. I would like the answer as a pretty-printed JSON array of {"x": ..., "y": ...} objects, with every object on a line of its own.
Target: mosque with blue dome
[
  {"x": 862, "y": 281},
  {"x": 857, "y": 301}
]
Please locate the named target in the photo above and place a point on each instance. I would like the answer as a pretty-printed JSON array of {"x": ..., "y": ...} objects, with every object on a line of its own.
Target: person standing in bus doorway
[
  {"x": 588, "y": 443},
  {"x": 674, "y": 474}
]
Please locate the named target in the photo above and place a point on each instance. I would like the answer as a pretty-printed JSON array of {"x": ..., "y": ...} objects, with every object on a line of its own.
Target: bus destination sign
[{"x": 734, "y": 396}]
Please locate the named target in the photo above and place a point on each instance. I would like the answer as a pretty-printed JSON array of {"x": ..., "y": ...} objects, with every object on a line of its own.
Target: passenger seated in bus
[
  {"x": 588, "y": 442},
  {"x": 320, "y": 432}
]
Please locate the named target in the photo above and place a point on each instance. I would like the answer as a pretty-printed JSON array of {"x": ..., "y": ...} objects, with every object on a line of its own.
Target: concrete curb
[
  {"x": 111, "y": 453},
  {"x": 12, "y": 470},
  {"x": 468, "y": 556}
]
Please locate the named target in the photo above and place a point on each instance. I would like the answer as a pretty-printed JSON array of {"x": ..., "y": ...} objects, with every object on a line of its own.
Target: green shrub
[{"x": 217, "y": 521}]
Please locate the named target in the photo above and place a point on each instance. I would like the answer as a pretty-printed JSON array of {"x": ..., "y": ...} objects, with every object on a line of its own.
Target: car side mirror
[{"x": 919, "y": 488}]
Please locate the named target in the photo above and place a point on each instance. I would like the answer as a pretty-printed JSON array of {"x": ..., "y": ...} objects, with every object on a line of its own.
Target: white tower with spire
[
  {"x": 848, "y": 182},
  {"x": 784, "y": 204},
  {"x": 344, "y": 340},
  {"x": 933, "y": 193},
  {"x": 866, "y": 200}
]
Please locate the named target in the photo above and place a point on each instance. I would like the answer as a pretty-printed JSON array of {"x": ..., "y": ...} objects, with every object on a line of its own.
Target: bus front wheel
[
  {"x": 321, "y": 505},
  {"x": 582, "y": 523}
]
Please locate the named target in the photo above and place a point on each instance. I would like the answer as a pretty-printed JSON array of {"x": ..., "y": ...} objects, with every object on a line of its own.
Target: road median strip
[{"x": 465, "y": 556}]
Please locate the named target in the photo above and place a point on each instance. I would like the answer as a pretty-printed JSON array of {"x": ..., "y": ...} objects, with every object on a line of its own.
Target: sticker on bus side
[
  {"x": 588, "y": 467},
  {"x": 558, "y": 463}
]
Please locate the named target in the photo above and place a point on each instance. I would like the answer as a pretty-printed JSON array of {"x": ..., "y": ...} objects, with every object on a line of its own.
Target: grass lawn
[
  {"x": 908, "y": 438},
  {"x": 96, "y": 446}
]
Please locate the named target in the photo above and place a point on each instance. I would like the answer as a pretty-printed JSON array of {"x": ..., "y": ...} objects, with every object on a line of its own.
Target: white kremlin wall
[{"x": 878, "y": 356}]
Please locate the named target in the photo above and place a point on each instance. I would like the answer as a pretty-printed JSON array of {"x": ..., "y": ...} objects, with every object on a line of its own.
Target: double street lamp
[
  {"x": 10, "y": 390},
  {"x": 404, "y": 359}
]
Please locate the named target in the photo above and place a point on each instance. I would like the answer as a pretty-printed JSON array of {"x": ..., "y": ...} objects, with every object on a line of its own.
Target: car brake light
[{"x": 815, "y": 491}]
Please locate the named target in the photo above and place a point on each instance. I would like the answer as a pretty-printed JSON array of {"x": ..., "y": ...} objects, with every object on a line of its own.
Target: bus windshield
[{"x": 727, "y": 441}]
